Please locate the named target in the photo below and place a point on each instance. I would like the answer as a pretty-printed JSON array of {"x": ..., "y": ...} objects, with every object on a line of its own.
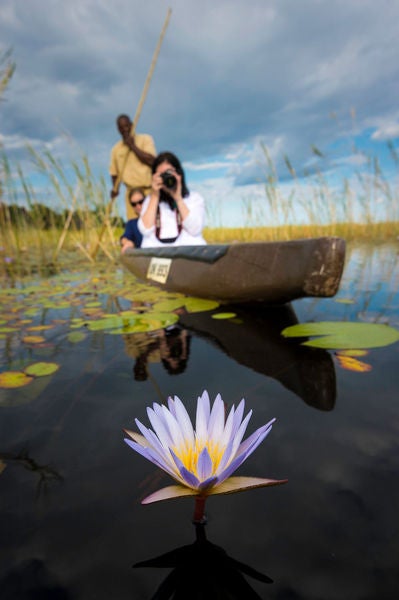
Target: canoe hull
[{"x": 271, "y": 272}]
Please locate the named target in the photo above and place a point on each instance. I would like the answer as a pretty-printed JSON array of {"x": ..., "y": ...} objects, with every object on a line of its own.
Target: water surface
[{"x": 71, "y": 522}]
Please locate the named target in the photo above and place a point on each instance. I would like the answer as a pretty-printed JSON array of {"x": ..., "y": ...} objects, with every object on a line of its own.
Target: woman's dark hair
[
  {"x": 176, "y": 164},
  {"x": 136, "y": 190}
]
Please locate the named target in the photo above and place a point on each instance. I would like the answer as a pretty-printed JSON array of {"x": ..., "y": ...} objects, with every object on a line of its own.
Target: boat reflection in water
[
  {"x": 203, "y": 570},
  {"x": 253, "y": 339}
]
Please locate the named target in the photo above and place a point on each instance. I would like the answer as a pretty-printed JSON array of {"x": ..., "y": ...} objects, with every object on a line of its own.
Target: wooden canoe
[{"x": 270, "y": 272}]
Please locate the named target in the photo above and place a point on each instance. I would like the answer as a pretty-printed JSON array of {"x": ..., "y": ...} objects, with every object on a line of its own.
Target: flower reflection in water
[
  {"x": 201, "y": 460},
  {"x": 202, "y": 571}
]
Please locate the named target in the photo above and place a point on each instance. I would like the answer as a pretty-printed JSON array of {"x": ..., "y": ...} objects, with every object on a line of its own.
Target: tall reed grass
[{"x": 88, "y": 231}]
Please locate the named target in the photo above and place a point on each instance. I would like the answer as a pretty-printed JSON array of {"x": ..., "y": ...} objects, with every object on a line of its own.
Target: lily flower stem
[{"x": 199, "y": 515}]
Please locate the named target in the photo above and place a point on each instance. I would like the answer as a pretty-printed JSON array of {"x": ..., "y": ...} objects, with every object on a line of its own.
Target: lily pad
[
  {"x": 337, "y": 334},
  {"x": 33, "y": 339},
  {"x": 169, "y": 305},
  {"x": 76, "y": 336},
  {"x": 224, "y": 315},
  {"x": 14, "y": 379},
  {"x": 352, "y": 352},
  {"x": 353, "y": 364},
  {"x": 194, "y": 305},
  {"x": 146, "y": 322},
  {"x": 41, "y": 369}
]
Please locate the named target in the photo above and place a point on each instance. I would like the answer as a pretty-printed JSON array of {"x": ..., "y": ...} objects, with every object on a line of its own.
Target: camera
[{"x": 169, "y": 180}]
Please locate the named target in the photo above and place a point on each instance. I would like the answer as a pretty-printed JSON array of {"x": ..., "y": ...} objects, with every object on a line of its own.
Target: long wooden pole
[{"x": 133, "y": 129}]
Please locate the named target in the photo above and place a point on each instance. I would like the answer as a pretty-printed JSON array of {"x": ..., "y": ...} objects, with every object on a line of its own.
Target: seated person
[
  {"x": 171, "y": 214},
  {"x": 131, "y": 237}
]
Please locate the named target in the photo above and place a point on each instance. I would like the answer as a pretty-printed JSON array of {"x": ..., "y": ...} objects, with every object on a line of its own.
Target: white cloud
[
  {"x": 208, "y": 166},
  {"x": 389, "y": 131}
]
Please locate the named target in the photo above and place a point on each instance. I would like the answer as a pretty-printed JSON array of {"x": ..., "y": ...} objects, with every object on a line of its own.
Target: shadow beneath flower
[{"x": 203, "y": 571}]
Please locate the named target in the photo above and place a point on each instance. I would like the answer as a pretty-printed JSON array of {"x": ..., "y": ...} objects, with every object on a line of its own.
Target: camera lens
[{"x": 169, "y": 180}]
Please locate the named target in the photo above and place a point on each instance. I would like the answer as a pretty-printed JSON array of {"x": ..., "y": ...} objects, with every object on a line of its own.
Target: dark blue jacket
[{"x": 132, "y": 233}]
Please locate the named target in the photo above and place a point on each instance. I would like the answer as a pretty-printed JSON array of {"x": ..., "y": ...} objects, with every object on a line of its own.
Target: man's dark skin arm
[
  {"x": 114, "y": 192},
  {"x": 144, "y": 157}
]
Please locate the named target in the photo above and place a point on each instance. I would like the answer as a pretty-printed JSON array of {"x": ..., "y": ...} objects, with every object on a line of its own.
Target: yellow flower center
[{"x": 189, "y": 455}]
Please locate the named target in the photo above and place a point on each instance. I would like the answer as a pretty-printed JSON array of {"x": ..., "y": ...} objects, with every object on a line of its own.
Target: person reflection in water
[
  {"x": 170, "y": 346},
  {"x": 216, "y": 575}
]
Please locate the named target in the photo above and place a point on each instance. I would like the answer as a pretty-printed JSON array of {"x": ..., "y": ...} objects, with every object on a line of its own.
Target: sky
[{"x": 316, "y": 81}]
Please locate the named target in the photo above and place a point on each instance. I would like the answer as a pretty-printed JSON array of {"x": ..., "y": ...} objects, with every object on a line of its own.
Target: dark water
[{"x": 71, "y": 522}]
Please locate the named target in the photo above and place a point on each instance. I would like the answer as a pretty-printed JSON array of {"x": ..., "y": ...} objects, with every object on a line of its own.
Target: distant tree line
[{"x": 44, "y": 217}]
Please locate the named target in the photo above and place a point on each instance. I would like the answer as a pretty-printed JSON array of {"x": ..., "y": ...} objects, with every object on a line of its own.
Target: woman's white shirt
[{"x": 191, "y": 233}]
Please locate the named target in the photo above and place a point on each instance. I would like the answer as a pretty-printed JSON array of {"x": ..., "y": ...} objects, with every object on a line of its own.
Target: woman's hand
[
  {"x": 176, "y": 192},
  {"x": 125, "y": 244},
  {"x": 156, "y": 184}
]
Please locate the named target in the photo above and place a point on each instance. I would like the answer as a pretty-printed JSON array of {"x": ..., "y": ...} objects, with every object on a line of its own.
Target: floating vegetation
[
  {"x": 224, "y": 315},
  {"x": 344, "y": 335},
  {"x": 353, "y": 364},
  {"x": 14, "y": 379},
  {"x": 36, "y": 317},
  {"x": 41, "y": 369}
]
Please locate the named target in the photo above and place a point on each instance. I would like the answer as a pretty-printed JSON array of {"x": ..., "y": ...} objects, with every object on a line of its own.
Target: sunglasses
[{"x": 138, "y": 203}]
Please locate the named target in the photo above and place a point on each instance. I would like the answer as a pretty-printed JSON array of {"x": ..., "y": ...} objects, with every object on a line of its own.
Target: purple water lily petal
[
  {"x": 204, "y": 465},
  {"x": 190, "y": 478},
  {"x": 149, "y": 454},
  {"x": 159, "y": 428},
  {"x": 184, "y": 421},
  {"x": 216, "y": 420},
  {"x": 202, "y": 417},
  {"x": 227, "y": 455},
  {"x": 176, "y": 433},
  {"x": 255, "y": 438},
  {"x": 240, "y": 433},
  {"x": 208, "y": 483},
  {"x": 238, "y": 415},
  {"x": 171, "y": 405}
]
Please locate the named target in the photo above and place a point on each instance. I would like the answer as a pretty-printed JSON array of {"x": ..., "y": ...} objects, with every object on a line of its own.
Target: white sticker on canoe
[{"x": 159, "y": 269}]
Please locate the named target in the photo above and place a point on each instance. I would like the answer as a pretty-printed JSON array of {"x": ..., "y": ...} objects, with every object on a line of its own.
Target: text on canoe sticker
[{"x": 158, "y": 269}]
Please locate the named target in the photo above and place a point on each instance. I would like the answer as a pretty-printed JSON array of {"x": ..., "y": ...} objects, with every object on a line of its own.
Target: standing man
[{"x": 131, "y": 161}]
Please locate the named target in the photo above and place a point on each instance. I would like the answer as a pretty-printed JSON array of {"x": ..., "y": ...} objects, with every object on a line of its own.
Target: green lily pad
[
  {"x": 76, "y": 336},
  {"x": 41, "y": 369},
  {"x": 169, "y": 305},
  {"x": 338, "y": 334},
  {"x": 146, "y": 322},
  {"x": 194, "y": 305},
  {"x": 224, "y": 315}
]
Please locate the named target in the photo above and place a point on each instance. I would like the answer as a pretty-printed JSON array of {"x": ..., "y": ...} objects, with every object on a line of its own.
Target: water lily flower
[{"x": 203, "y": 459}]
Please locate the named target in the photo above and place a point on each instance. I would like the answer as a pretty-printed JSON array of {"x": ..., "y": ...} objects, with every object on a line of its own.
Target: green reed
[{"x": 38, "y": 238}]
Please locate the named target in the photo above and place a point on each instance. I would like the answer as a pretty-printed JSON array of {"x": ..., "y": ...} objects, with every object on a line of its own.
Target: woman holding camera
[{"x": 171, "y": 215}]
